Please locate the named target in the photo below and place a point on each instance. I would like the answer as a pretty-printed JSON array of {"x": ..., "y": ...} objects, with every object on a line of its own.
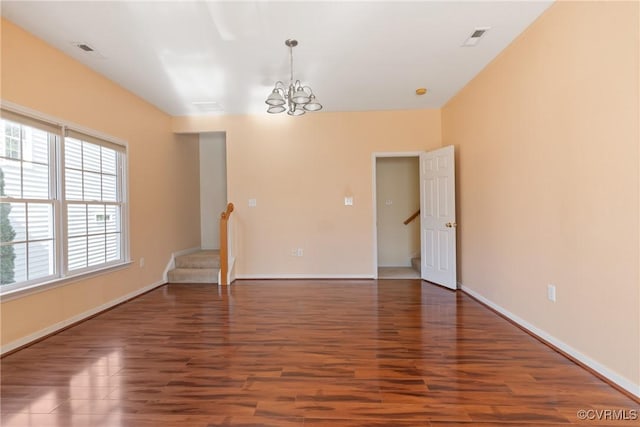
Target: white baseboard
[
  {"x": 172, "y": 261},
  {"x": 615, "y": 378},
  {"x": 61, "y": 325},
  {"x": 305, "y": 276}
]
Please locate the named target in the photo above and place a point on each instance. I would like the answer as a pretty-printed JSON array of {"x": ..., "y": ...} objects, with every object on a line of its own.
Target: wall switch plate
[
  {"x": 141, "y": 262},
  {"x": 388, "y": 202},
  {"x": 348, "y": 201},
  {"x": 551, "y": 293},
  {"x": 252, "y": 203}
]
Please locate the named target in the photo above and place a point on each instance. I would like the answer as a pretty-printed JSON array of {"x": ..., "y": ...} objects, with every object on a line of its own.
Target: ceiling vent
[
  {"x": 475, "y": 37},
  {"x": 208, "y": 106},
  {"x": 86, "y": 48}
]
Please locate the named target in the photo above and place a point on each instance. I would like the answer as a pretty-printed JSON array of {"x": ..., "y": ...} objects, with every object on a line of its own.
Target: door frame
[{"x": 374, "y": 157}]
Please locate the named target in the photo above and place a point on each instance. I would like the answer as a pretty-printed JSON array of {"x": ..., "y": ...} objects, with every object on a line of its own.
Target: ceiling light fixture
[{"x": 298, "y": 99}]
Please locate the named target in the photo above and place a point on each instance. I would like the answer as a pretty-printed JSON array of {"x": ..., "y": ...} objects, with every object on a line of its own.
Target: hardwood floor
[{"x": 293, "y": 353}]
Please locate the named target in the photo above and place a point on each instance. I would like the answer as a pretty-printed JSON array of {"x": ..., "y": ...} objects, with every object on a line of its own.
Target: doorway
[
  {"x": 397, "y": 201},
  {"x": 437, "y": 207},
  {"x": 213, "y": 186}
]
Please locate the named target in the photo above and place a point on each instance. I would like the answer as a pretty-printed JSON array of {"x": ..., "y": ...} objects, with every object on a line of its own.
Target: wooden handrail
[
  {"x": 224, "y": 244},
  {"x": 412, "y": 217}
]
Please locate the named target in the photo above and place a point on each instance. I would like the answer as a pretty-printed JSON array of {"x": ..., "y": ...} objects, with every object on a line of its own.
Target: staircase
[
  {"x": 198, "y": 267},
  {"x": 415, "y": 263}
]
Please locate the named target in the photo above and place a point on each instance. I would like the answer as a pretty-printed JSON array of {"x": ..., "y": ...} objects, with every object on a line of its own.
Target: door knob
[{"x": 451, "y": 224}]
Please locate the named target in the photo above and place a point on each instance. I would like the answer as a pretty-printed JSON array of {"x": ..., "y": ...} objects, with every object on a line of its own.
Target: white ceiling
[{"x": 356, "y": 55}]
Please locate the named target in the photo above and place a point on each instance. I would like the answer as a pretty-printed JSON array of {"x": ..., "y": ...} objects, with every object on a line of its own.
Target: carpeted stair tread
[
  {"x": 201, "y": 259},
  {"x": 193, "y": 275}
]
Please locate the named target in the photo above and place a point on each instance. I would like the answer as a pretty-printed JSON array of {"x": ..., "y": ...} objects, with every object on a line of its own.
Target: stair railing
[
  {"x": 412, "y": 217},
  {"x": 227, "y": 252}
]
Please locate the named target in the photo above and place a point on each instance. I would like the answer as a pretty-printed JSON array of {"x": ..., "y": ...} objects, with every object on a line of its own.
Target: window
[
  {"x": 12, "y": 141},
  {"x": 93, "y": 203},
  {"x": 62, "y": 202},
  {"x": 27, "y": 211}
]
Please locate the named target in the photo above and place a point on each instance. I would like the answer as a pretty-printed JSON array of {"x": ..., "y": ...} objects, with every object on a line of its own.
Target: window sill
[{"x": 55, "y": 283}]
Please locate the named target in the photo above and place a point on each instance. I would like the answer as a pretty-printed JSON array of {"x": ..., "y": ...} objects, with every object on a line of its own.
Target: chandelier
[{"x": 297, "y": 98}]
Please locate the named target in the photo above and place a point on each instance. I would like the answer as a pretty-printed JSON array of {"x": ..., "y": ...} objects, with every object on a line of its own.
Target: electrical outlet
[
  {"x": 551, "y": 293},
  {"x": 300, "y": 252}
]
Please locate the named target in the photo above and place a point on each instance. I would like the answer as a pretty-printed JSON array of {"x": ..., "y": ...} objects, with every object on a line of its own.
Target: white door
[{"x": 438, "y": 216}]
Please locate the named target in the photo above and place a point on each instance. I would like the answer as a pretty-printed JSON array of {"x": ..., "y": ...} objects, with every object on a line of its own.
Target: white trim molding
[
  {"x": 607, "y": 373},
  {"x": 55, "y": 283},
  {"x": 17, "y": 108},
  {"x": 304, "y": 276},
  {"x": 77, "y": 318}
]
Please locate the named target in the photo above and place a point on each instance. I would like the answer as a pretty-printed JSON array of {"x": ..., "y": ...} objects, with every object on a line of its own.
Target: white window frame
[
  {"x": 120, "y": 187},
  {"x": 57, "y": 177},
  {"x": 53, "y": 142}
]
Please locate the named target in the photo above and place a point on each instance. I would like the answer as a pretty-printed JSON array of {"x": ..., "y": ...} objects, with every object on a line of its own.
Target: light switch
[
  {"x": 348, "y": 201},
  {"x": 252, "y": 203},
  {"x": 388, "y": 202}
]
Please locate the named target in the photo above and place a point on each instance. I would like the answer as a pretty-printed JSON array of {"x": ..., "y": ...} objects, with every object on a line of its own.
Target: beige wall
[
  {"x": 213, "y": 187},
  {"x": 299, "y": 170},
  {"x": 163, "y": 169},
  {"x": 397, "y": 197},
  {"x": 548, "y": 144}
]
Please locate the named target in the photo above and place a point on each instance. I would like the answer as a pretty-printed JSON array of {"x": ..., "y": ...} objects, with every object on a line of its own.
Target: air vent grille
[
  {"x": 208, "y": 106},
  {"x": 85, "y": 47},
  {"x": 475, "y": 36}
]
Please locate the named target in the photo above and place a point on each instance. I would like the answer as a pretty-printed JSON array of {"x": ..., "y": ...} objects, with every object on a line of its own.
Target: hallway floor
[{"x": 397, "y": 273}]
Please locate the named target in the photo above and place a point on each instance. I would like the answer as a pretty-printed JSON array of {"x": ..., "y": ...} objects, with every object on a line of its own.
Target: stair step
[
  {"x": 193, "y": 275},
  {"x": 416, "y": 264},
  {"x": 201, "y": 259}
]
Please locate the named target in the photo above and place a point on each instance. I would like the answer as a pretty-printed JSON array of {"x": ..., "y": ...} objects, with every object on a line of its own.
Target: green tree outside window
[{"x": 7, "y": 234}]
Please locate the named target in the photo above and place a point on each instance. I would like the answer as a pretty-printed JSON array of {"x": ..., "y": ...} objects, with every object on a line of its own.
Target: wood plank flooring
[{"x": 299, "y": 353}]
